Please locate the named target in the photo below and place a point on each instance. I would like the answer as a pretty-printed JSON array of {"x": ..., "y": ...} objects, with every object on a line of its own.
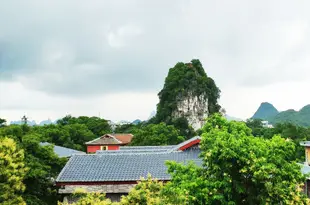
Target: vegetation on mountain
[
  {"x": 12, "y": 172},
  {"x": 267, "y": 112},
  {"x": 186, "y": 80}
]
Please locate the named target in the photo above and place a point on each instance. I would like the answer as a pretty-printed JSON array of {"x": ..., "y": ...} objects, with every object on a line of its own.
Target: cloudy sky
[{"x": 110, "y": 58}]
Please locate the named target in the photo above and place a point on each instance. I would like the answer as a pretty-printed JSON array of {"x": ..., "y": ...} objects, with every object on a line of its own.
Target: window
[{"x": 103, "y": 147}]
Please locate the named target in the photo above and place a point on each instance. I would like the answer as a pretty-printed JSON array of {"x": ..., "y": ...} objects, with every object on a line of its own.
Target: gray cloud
[{"x": 97, "y": 47}]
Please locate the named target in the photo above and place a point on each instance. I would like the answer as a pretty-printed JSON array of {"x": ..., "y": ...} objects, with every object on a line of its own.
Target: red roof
[{"x": 124, "y": 138}]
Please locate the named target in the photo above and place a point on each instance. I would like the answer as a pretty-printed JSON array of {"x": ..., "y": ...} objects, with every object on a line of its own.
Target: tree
[
  {"x": 89, "y": 199},
  {"x": 239, "y": 168},
  {"x": 12, "y": 172},
  {"x": 2, "y": 122},
  {"x": 156, "y": 134},
  {"x": 147, "y": 191}
]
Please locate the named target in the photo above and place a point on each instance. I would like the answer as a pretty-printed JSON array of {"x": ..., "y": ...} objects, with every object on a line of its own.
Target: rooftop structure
[
  {"x": 62, "y": 151},
  {"x": 115, "y": 172},
  {"x": 108, "y": 142}
]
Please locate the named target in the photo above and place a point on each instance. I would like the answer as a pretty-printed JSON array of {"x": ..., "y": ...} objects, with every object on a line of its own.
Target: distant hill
[
  {"x": 231, "y": 118},
  {"x": 265, "y": 111},
  {"x": 135, "y": 122},
  {"x": 301, "y": 117}
]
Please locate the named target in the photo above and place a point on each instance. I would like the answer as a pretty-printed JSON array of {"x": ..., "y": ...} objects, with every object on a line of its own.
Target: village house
[
  {"x": 108, "y": 142},
  {"x": 306, "y": 166},
  {"x": 115, "y": 172}
]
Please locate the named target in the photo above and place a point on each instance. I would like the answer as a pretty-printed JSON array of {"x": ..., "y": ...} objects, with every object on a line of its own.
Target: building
[
  {"x": 108, "y": 142},
  {"x": 115, "y": 172},
  {"x": 62, "y": 151},
  {"x": 305, "y": 167}
]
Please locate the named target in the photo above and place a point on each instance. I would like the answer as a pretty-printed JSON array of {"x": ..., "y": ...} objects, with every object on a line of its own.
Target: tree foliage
[
  {"x": 156, "y": 134},
  {"x": 12, "y": 172}
]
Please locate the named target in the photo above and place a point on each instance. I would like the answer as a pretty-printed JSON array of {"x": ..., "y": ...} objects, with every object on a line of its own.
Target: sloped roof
[
  {"x": 109, "y": 139},
  {"x": 104, "y": 140},
  {"x": 62, "y": 151},
  {"x": 187, "y": 142},
  {"x": 122, "y": 167},
  {"x": 124, "y": 138}
]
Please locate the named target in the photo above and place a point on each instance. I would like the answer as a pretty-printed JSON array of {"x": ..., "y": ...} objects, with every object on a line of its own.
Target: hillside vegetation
[{"x": 268, "y": 112}]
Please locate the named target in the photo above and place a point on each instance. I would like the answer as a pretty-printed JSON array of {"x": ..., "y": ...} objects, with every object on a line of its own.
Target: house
[
  {"x": 305, "y": 167},
  {"x": 108, "y": 142},
  {"x": 62, "y": 151},
  {"x": 115, "y": 172}
]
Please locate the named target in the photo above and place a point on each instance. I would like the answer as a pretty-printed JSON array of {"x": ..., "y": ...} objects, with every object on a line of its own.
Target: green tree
[
  {"x": 147, "y": 191},
  {"x": 239, "y": 168},
  {"x": 2, "y": 122},
  {"x": 12, "y": 172},
  {"x": 156, "y": 134}
]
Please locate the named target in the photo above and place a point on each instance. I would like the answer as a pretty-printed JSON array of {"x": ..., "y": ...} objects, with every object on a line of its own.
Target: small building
[
  {"x": 305, "y": 167},
  {"x": 62, "y": 151},
  {"x": 108, "y": 142},
  {"x": 115, "y": 172}
]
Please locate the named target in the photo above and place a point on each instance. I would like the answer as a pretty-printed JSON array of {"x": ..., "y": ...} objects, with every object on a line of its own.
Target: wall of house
[
  {"x": 113, "y": 147},
  {"x": 307, "y": 149},
  {"x": 92, "y": 148}
]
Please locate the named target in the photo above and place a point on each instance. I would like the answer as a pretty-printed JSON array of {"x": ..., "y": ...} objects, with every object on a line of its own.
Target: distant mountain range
[
  {"x": 32, "y": 122},
  {"x": 267, "y": 111}
]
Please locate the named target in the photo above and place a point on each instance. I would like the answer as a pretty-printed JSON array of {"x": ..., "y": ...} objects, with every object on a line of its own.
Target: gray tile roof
[
  {"x": 305, "y": 143},
  {"x": 122, "y": 167},
  {"x": 62, "y": 151}
]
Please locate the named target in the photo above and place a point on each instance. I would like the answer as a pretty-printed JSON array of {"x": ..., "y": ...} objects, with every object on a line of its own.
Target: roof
[
  {"x": 305, "y": 143},
  {"x": 129, "y": 163},
  {"x": 122, "y": 167},
  {"x": 124, "y": 138},
  {"x": 110, "y": 139},
  {"x": 62, "y": 151},
  {"x": 187, "y": 143}
]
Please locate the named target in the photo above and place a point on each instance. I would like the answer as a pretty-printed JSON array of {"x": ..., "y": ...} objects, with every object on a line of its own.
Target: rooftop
[
  {"x": 62, "y": 151},
  {"x": 122, "y": 167},
  {"x": 111, "y": 139},
  {"x": 305, "y": 143},
  {"x": 130, "y": 163}
]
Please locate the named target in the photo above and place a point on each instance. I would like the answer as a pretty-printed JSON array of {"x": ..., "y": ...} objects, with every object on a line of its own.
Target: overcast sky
[{"x": 110, "y": 58}]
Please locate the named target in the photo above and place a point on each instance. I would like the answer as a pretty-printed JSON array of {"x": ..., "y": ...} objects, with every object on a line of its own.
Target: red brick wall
[
  {"x": 113, "y": 147},
  {"x": 92, "y": 148}
]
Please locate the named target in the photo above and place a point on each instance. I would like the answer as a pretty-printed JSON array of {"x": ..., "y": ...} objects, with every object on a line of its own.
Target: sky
[{"x": 110, "y": 58}]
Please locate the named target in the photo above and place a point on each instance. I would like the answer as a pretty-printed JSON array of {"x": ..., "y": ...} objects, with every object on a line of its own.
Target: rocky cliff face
[
  {"x": 193, "y": 108},
  {"x": 189, "y": 94}
]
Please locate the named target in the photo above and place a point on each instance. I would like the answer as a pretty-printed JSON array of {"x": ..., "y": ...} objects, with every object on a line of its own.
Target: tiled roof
[
  {"x": 177, "y": 147},
  {"x": 62, "y": 151},
  {"x": 124, "y": 138},
  {"x": 104, "y": 140},
  {"x": 122, "y": 167},
  {"x": 305, "y": 143},
  {"x": 111, "y": 139}
]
